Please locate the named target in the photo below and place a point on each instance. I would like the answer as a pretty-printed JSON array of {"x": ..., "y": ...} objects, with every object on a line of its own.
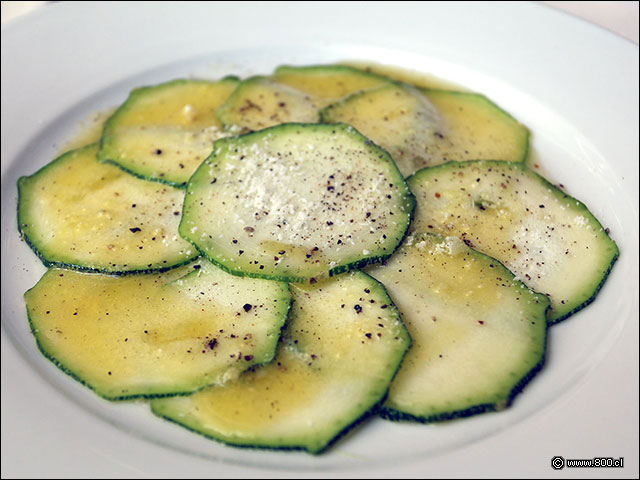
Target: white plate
[{"x": 574, "y": 85}]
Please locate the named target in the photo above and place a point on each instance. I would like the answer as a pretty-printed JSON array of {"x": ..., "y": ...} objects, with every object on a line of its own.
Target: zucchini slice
[
  {"x": 397, "y": 117},
  {"x": 478, "y": 333},
  {"x": 475, "y": 128},
  {"x": 327, "y": 84},
  {"x": 342, "y": 346},
  {"x": 296, "y": 202},
  {"x": 162, "y": 334},
  {"x": 164, "y": 132},
  {"x": 261, "y": 102},
  {"x": 79, "y": 213},
  {"x": 428, "y": 127},
  {"x": 548, "y": 239}
]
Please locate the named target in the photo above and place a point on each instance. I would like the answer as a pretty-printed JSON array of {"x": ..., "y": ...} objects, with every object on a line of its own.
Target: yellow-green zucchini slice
[
  {"x": 164, "y": 132},
  {"x": 327, "y": 84},
  {"x": 79, "y": 213},
  {"x": 296, "y": 202},
  {"x": 421, "y": 127},
  {"x": 478, "y": 333},
  {"x": 548, "y": 239},
  {"x": 342, "y": 346},
  {"x": 261, "y": 102},
  {"x": 157, "y": 334}
]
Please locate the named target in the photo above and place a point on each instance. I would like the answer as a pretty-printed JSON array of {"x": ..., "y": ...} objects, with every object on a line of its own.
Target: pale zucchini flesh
[
  {"x": 79, "y": 213},
  {"x": 478, "y": 334},
  {"x": 342, "y": 346},
  {"x": 164, "y": 132},
  {"x": 262, "y": 102},
  {"x": 548, "y": 239},
  {"x": 296, "y": 202},
  {"x": 422, "y": 127},
  {"x": 157, "y": 334},
  {"x": 327, "y": 84}
]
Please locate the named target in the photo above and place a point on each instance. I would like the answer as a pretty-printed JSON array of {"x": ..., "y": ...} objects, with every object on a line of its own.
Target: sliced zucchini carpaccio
[
  {"x": 164, "y": 132},
  {"x": 478, "y": 333},
  {"x": 342, "y": 346},
  {"x": 548, "y": 239},
  {"x": 328, "y": 83},
  {"x": 79, "y": 213},
  {"x": 160, "y": 334},
  {"x": 428, "y": 127},
  {"x": 296, "y": 202},
  {"x": 261, "y": 102}
]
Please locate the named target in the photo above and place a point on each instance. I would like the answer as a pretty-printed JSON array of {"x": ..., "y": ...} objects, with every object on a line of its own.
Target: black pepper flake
[
  {"x": 158, "y": 151},
  {"x": 329, "y": 223},
  {"x": 134, "y": 229},
  {"x": 248, "y": 358},
  {"x": 196, "y": 267},
  {"x": 357, "y": 308},
  {"x": 541, "y": 206},
  {"x": 366, "y": 290},
  {"x": 240, "y": 252},
  {"x": 281, "y": 252},
  {"x": 384, "y": 306},
  {"x": 247, "y": 307},
  {"x": 481, "y": 322},
  {"x": 133, "y": 205},
  {"x": 368, "y": 335},
  {"x": 312, "y": 280},
  {"x": 212, "y": 343},
  {"x": 176, "y": 213}
]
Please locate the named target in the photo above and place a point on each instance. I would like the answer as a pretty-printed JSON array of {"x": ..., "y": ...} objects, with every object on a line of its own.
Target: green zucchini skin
[
  {"x": 114, "y": 151},
  {"x": 60, "y": 337},
  {"x": 317, "y": 433},
  {"x": 81, "y": 241},
  {"x": 189, "y": 222},
  {"x": 424, "y": 188}
]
